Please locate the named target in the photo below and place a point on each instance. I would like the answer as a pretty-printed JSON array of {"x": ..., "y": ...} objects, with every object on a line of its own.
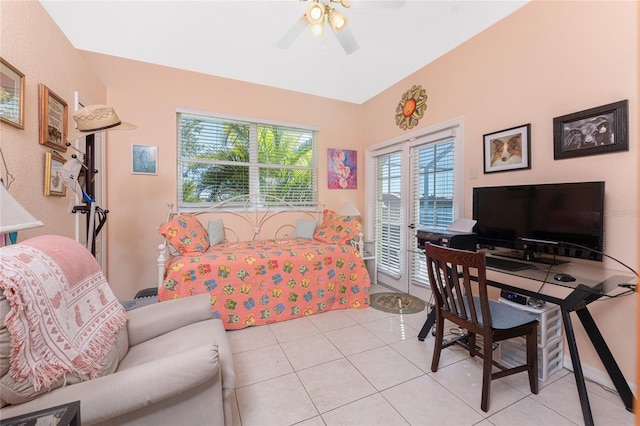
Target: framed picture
[
  {"x": 592, "y": 131},
  {"x": 508, "y": 149},
  {"x": 54, "y": 128},
  {"x": 53, "y": 184},
  {"x": 342, "y": 170},
  {"x": 11, "y": 95},
  {"x": 144, "y": 159}
]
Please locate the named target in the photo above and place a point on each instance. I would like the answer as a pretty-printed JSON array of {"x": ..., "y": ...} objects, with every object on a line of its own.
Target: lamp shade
[
  {"x": 14, "y": 217},
  {"x": 337, "y": 20},
  {"x": 315, "y": 13},
  {"x": 348, "y": 209}
]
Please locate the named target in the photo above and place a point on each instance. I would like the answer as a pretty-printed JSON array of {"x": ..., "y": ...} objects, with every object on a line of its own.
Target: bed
[{"x": 311, "y": 262}]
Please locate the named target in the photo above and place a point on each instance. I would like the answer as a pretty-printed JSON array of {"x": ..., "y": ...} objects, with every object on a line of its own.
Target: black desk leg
[
  {"x": 577, "y": 368},
  {"x": 606, "y": 357},
  {"x": 431, "y": 319}
]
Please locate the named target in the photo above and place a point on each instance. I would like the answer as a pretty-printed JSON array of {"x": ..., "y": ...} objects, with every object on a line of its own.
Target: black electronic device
[
  {"x": 569, "y": 216},
  {"x": 451, "y": 239},
  {"x": 513, "y": 297},
  {"x": 565, "y": 278},
  {"x": 506, "y": 264}
]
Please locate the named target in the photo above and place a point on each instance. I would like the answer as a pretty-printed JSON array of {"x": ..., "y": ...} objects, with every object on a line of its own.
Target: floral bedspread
[{"x": 260, "y": 282}]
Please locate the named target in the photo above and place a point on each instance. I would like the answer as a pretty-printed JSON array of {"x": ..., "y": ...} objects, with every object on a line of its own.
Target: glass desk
[{"x": 592, "y": 282}]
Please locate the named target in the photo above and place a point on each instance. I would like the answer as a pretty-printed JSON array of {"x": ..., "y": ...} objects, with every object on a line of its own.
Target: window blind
[
  {"x": 388, "y": 211},
  {"x": 220, "y": 158},
  {"x": 433, "y": 195}
]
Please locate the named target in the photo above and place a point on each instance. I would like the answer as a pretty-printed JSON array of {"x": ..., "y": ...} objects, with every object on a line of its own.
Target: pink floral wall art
[{"x": 343, "y": 169}]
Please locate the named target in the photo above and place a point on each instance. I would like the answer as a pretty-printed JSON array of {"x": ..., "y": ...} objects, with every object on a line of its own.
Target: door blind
[
  {"x": 433, "y": 195},
  {"x": 388, "y": 211}
]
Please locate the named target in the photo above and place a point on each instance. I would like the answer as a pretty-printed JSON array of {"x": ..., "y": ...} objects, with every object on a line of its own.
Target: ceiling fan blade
[
  {"x": 293, "y": 33},
  {"x": 347, "y": 40},
  {"x": 375, "y": 4}
]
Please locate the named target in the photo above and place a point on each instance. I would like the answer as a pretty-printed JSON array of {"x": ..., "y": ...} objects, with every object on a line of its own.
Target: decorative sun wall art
[
  {"x": 411, "y": 107},
  {"x": 342, "y": 170}
]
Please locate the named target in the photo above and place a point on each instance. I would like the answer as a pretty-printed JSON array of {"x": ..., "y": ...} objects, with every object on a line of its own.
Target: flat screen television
[{"x": 564, "y": 219}]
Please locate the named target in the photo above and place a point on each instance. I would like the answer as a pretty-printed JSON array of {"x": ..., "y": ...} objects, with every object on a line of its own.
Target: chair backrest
[{"x": 450, "y": 272}]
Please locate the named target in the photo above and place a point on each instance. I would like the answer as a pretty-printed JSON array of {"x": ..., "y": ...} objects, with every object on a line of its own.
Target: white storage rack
[{"x": 512, "y": 352}]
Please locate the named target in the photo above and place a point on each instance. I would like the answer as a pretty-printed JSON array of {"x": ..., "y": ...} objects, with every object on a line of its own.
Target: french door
[{"x": 418, "y": 183}]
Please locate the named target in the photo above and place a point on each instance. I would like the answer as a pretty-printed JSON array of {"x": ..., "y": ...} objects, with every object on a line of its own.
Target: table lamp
[
  {"x": 13, "y": 217},
  {"x": 348, "y": 209}
]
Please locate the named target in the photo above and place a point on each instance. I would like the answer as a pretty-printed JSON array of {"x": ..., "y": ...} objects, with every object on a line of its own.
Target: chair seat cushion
[{"x": 503, "y": 316}]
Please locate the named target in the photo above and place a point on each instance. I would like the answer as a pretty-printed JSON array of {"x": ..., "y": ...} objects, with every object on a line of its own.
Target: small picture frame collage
[
  {"x": 11, "y": 95},
  {"x": 54, "y": 128},
  {"x": 53, "y": 182},
  {"x": 594, "y": 131}
]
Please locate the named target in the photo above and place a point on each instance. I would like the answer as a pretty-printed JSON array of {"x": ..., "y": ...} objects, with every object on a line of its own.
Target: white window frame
[{"x": 253, "y": 152}]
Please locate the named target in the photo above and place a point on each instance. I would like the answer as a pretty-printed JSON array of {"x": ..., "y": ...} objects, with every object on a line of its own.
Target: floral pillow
[
  {"x": 336, "y": 229},
  {"x": 185, "y": 234}
]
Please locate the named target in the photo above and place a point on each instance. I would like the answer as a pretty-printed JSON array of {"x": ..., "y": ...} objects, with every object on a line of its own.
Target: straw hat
[{"x": 96, "y": 118}]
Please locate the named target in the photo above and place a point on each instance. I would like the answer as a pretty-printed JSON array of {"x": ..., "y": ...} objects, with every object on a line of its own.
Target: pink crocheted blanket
[{"x": 64, "y": 316}]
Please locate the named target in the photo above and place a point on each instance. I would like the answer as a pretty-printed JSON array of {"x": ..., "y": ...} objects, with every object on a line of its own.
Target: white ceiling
[{"x": 237, "y": 39}]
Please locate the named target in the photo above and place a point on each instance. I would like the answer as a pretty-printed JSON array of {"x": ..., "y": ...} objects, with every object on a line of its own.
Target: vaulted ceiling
[{"x": 237, "y": 39}]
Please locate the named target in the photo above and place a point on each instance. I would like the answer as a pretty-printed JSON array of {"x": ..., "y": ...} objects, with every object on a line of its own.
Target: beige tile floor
[{"x": 367, "y": 367}]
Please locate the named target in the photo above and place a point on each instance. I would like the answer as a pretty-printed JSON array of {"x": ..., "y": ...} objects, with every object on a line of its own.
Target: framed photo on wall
[
  {"x": 11, "y": 95},
  {"x": 54, "y": 128},
  {"x": 53, "y": 183},
  {"x": 144, "y": 159},
  {"x": 593, "y": 131},
  {"x": 508, "y": 149},
  {"x": 342, "y": 170}
]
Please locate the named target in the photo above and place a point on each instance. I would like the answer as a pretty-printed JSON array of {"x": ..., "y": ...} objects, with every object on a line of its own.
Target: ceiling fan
[{"x": 321, "y": 14}]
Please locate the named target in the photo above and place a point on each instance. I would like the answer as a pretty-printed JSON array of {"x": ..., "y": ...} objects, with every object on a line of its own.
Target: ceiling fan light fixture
[
  {"x": 337, "y": 20},
  {"x": 315, "y": 13},
  {"x": 317, "y": 29}
]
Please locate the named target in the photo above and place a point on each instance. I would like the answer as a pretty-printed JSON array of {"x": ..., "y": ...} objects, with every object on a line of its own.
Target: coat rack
[{"x": 88, "y": 193}]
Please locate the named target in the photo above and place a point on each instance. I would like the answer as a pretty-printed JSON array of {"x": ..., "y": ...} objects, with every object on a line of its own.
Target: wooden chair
[{"x": 450, "y": 273}]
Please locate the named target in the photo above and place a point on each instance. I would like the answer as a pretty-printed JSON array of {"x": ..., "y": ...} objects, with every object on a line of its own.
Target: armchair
[{"x": 170, "y": 364}]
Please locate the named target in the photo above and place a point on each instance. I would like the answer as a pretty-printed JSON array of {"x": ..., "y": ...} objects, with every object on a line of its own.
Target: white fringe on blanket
[{"x": 64, "y": 316}]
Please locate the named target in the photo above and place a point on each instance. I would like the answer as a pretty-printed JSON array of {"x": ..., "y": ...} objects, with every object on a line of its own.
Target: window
[{"x": 220, "y": 158}]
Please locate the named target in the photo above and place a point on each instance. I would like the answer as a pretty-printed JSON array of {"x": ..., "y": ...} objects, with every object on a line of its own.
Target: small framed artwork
[
  {"x": 53, "y": 183},
  {"x": 54, "y": 128},
  {"x": 342, "y": 170},
  {"x": 11, "y": 95},
  {"x": 144, "y": 159},
  {"x": 593, "y": 131},
  {"x": 508, "y": 149}
]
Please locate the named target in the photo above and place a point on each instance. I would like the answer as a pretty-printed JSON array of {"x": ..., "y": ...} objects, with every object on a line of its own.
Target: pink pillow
[
  {"x": 185, "y": 234},
  {"x": 336, "y": 229}
]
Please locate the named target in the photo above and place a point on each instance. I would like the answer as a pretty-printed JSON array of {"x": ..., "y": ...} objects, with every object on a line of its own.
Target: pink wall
[
  {"x": 532, "y": 66},
  {"x": 529, "y": 68},
  {"x": 148, "y": 95},
  {"x": 33, "y": 44}
]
